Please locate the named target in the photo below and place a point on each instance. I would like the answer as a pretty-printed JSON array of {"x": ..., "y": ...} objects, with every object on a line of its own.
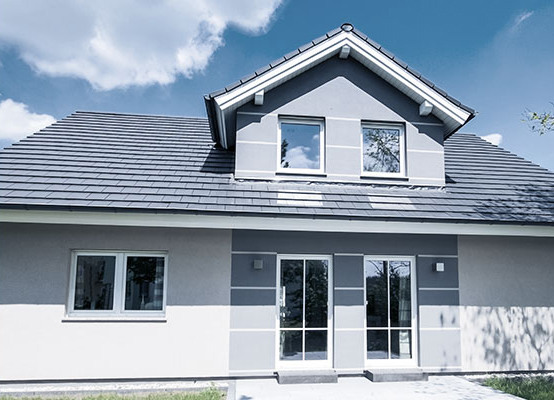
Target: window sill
[
  {"x": 115, "y": 319},
  {"x": 301, "y": 173}
]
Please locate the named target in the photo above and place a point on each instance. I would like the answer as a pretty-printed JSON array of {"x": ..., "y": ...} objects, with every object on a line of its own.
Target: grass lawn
[
  {"x": 531, "y": 388},
  {"x": 208, "y": 394}
]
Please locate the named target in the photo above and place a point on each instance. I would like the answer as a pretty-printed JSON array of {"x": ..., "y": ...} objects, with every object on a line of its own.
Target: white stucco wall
[
  {"x": 37, "y": 341},
  {"x": 506, "y": 303}
]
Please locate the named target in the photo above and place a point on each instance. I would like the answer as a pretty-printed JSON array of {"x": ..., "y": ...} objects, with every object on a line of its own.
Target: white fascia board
[
  {"x": 221, "y": 126},
  {"x": 405, "y": 77},
  {"x": 359, "y": 48},
  {"x": 268, "y": 223},
  {"x": 301, "y": 61}
]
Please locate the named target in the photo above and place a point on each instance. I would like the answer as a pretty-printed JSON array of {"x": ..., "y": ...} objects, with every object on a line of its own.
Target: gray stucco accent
[
  {"x": 244, "y": 274},
  {"x": 344, "y": 93},
  {"x": 349, "y": 297},
  {"x": 251, "y": 350},
  {"x": 347, "y": 243},
  {"x": 349, "y": 271},
  {"x": 438, "y": 297},
  {"x": 252, "y": 297},
  {"x": 437, "y": 310},
  {"x": 428, "y": 277}
]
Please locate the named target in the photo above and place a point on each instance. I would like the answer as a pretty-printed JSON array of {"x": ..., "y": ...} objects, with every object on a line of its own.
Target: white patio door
[{"x": 303, "y": 312}]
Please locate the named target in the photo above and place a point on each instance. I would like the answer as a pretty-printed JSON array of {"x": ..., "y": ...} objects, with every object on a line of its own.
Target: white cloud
[
  {"x": 298, "y": 158},
  {"x": 115, "y": 44},
  {"x": 521, "y": 18},
  {"x": 16, "y": 121},
  {"x": 493, "y": 138}
]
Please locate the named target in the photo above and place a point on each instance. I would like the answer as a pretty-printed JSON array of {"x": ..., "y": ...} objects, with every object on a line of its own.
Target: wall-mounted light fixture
[
  {"x": 439, "y": 267},
  {"x": 258, "y": 264}
]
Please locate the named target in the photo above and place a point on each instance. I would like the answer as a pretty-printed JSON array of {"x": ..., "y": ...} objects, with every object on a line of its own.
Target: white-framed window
[
  {"x": 383, "y": 150},
  {"x": 117, "y": 284},
  {"x": 391, "y": 317},
  {"x": 301, "y": 145}
]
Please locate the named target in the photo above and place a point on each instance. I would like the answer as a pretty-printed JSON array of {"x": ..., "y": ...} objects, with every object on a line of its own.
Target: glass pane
[
  {"x": 300, "y": 144},
  {"x": 401, "y": 344},
  {"x": 376, "y": 294},
  {"x": 377, "y": 345},
  {"x": 381, "y": 149},
  {"x": 400, "y": 294},
  {"x": 291, "y": 345},
  {"x": 292, "y": 277},
  {"x": 316, "y": 345},
  {"x": 94, "y": 282},
  {"x": 316, "y": 293},
  {"x": 145, "y": 283}
]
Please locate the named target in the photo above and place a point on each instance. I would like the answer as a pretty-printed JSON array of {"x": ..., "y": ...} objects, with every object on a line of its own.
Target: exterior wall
[
  {"x": 37, "y": 341},
  {"x": 253, "y": 299},
  {"x": 507, "y": 303},
  {"x": 344, "y": 93}
]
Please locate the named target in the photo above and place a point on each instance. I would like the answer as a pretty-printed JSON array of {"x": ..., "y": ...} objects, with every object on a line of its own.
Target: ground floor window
[
  {"x": 389, "y": 305},
  {"x": 303, "y": 308},
  {"x": 117, "y": 283}
]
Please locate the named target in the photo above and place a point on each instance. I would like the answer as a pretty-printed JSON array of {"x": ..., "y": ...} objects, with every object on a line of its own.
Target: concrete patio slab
[{"x": 359, "y": 388}]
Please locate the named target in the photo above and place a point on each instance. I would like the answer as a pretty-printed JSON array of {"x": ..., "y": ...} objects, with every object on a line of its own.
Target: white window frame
[
  {"x": 120, "y": 278},
  {"x": 410, "y": 362},
  {"x": 307, "y": 121},
  {"x": 305, "y": 364},
  {"x": 379, "y": 125}
]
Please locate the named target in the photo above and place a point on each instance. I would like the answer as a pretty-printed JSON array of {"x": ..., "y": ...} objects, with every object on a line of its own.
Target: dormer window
[
  {"x": 383, "y": 150},
  {"x": 301, "y": 145}
]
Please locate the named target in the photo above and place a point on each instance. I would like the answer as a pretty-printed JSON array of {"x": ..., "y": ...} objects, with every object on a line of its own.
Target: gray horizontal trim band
[
  {"x": 348, "y": 254},
  {"x": 438, "y": 288},
  {"x": 444, "y": 328},
  {"x": 253, "y": 288},
  {"x": 252, "y": 329},
  {"x": 271, "y": 253}
]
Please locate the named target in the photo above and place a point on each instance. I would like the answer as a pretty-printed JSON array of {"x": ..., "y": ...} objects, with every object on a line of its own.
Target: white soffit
[
  {"x": 451, "y": 114},
  {"x": 268, "y": 223}
]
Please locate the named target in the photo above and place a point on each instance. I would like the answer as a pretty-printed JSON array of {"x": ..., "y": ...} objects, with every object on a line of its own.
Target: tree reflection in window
[
  {"x": 144, "y": 283},
  {"x": 381, "y": 149}
]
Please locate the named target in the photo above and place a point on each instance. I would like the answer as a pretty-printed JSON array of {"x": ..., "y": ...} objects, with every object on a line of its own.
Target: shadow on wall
[{"x": 509, "y": 338}]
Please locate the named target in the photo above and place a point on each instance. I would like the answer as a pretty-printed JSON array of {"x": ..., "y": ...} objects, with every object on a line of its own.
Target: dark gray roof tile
[{"x": 176, "y": 166}]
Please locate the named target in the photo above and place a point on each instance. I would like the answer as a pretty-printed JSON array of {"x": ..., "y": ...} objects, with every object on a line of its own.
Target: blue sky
[{"x": 58, "y": 56}]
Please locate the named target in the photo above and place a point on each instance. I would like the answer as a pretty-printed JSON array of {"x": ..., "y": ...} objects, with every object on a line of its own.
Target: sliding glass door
[
  {"x": 390, "y": 316},
  {"x": 304, "y": 337}
]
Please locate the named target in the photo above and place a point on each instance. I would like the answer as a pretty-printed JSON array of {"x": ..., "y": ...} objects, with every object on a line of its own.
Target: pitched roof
[
  {"x": 105, "y": 161},
  {"x": 228, "y": 98}
]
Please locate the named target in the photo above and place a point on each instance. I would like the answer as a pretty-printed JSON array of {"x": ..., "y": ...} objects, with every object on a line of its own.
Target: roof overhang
[
  {"x": 451, "y": 112},
  {"x": 219, "y": 221}
]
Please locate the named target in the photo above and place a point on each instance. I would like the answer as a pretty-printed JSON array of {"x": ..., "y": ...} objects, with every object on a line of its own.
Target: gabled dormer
[{"x": 338, "y": 109}]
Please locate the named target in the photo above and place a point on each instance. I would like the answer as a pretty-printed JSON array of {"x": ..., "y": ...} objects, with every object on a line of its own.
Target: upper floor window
[
  {"x": 117, "y": 283},
  {"x": 301, "y": 145},
  {"x": 383, "y": 150}
]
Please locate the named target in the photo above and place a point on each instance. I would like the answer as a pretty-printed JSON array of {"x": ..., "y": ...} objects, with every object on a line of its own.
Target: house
[{"x": 327, "y": 215}]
